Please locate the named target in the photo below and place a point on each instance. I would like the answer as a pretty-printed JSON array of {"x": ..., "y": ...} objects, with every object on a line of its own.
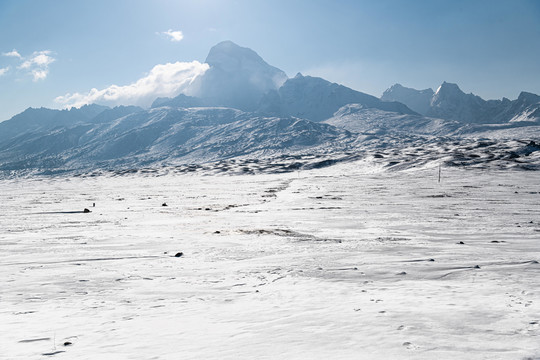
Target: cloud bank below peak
[{"x": 164, "y": 80}]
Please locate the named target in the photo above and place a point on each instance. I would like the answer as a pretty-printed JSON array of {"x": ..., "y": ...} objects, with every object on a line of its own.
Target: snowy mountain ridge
[
  {"x": 167, "y": 135},
  {"x": 449, "y": 102},
  {"x": 242, "y": 107}
]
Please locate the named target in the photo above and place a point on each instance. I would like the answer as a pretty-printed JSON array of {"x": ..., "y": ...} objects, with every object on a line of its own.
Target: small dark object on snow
[
  {"x": 179, "y": 254},
  {"x": 477, "y": 266},
  {"x": 93, "y": 204},
  {"x": 402, "y": 273},
  {"x": 68, "y": 343},
  {"x": 164, "y": 204},
  {"x": 461, "y": 243},
  {"x": 217, "y": 232},
  {"x": 86, "y": 210},
  {"x": 431, "y": 260}
]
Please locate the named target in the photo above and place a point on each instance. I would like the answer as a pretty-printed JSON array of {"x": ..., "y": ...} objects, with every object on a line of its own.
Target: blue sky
[{"x": 54, "y": 52}]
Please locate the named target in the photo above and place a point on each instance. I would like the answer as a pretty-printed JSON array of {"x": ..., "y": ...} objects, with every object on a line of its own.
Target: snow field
[{"x": 338, "y": 263}]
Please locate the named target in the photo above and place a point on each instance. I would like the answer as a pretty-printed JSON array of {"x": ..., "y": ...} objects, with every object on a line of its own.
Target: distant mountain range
[
  {"x": 244, "y": 107},
  {"x": 450, "y": 103}
]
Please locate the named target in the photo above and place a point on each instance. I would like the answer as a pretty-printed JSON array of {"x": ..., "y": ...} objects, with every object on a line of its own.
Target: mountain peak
[
  {"x": 417, "y": 100},
  {"x": 528, "y": 97},
  {"x": 448, "y": 89},
  {"x": 450, "y": 103},
  {"x": 226, "y": 44},
  {"x": 229, "y": 53},
  {"x": 238, "y": 77},
  {"x": 396, "y": 86}
]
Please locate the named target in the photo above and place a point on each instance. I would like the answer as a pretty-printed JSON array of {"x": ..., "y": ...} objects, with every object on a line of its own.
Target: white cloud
[
  {"x": 36, "y": 65},
  {"x": 40, "y": 59},
  {"x": 13, "y": 53},
  {"x": 174, "y": 36},
  {"x": 163, "y": 80},
  {"x": 3, "y": 71},
  {"x": 39, "y": 74}
]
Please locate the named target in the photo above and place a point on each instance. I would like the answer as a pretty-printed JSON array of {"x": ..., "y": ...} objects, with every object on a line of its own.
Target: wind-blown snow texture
[{"x": 345, "y": 262}]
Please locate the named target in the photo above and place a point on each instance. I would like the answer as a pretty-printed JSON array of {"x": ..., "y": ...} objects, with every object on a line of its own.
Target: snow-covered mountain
[
  {"x": 359, "y": 119},
  {"x": 238, "y": 77},
  {"x": 316, "y": 99},
  {"x": 181, "y": 100},
  {"x": 44, "y": 119},
  {"x": 417, "y": 100},
  {"x": 450, "y": 103},
  {"x": 167, "y": 135}
]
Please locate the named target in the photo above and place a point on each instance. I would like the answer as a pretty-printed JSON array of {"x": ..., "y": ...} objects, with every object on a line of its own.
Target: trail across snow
[{"x": 334, "y": 263}]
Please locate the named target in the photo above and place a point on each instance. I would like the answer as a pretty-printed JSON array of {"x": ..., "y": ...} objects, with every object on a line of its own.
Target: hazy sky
[{"x": 54, "y": 52}]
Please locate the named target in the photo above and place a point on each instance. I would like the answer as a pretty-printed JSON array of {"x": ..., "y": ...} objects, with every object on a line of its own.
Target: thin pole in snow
[{"x": 439, "y": 173}]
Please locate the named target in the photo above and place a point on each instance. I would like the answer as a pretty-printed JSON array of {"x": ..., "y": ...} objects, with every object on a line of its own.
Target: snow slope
[
  {"x": 168, "y": 135},
  {"x": 357, "y": 118}
]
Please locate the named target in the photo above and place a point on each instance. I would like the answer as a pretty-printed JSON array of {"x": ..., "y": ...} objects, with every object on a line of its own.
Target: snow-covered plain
[{"x": 345, "y": 262}]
